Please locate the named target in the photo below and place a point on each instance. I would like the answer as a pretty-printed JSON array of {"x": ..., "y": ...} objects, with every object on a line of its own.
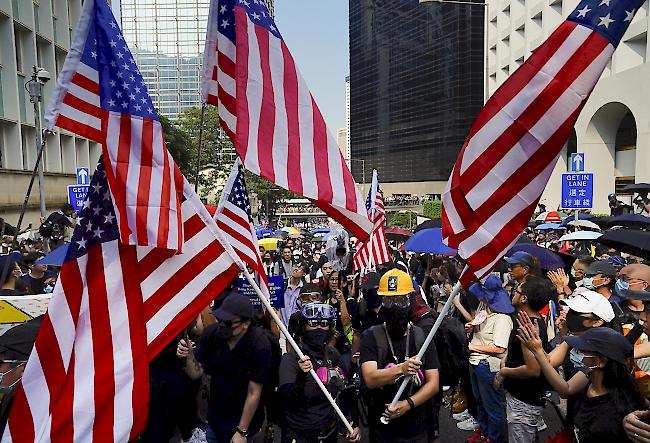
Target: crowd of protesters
[{"x": 509, "y": 347}]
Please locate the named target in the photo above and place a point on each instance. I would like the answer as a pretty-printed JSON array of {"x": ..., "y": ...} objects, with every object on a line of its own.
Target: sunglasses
[
  {"x": 319, "y": 322},
  {"x": 310, "y": 296},
  {"x": 230, "y": 323},
  {"x": 396, "y": 301}
]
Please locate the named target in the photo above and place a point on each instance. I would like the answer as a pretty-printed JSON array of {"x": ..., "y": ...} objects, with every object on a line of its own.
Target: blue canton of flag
[
  {"x": 122, "y": 87},
  {"x": 256, "y": 10},
  {"x": 239, "y": 195},
  {"x": 97, "y": 222},
  {"x": 610, "y": 21}
]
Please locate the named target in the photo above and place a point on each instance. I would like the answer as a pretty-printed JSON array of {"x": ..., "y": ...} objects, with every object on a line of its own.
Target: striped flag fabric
[
  {"x": 234, "y": 219},
  {"x": 270, "y": 114},
  {"x": 101, "y": 95},
  {"x": 113, "y": 309},
  {"x": 374, "y": 251},
  {"x": 516, "y": 139}
]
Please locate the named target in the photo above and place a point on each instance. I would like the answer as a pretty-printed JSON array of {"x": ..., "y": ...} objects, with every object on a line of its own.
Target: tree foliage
[
  {"x": 268, "y": 194},
  {"x": 404, "y": 220},
  {"x": 433, "y": 209}
]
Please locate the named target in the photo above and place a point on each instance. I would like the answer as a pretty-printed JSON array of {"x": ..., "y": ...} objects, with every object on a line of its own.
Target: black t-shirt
[
  {"x": 312, "y": 410},
  {"x": 413, "y": 422},
  {"x": 528, "y": 390},
  {"x": 597, "y": 421},
  {"x": 35, "y": 285},
  {"x": 365, "y": 317},
  {"x": 59, "y": 221},
  {"x": 230, "y": 371}
]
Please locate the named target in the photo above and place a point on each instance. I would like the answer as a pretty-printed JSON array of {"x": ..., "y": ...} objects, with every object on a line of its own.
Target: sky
[{"x": 316, "y": 33}]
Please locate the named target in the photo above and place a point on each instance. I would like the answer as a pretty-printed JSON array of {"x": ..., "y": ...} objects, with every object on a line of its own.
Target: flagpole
[
  {"x": 295, "y": 347},
  {"x": 427, "y": 342},
  {"x": 198, "y": 154}
]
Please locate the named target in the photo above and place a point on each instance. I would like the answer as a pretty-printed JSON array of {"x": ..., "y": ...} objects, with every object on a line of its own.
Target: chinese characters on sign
[{"x": 577, "y": 191}]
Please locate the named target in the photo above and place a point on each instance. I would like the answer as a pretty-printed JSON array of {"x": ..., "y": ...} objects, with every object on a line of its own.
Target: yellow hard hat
[{"x": 395, "y": 282}]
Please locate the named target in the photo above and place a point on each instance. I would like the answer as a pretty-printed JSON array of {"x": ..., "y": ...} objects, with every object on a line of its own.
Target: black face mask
[
  {"x": 396, "y": 321},
  {"x": 372, "y": 299},
  {"x": 574, "y": 321},
  {"x": 315, "y": 339},
  {"x": 224, "y": 332}
]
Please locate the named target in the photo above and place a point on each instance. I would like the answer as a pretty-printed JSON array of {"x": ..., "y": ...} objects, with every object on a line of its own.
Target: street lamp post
[
  {"x": 35, "y": 89},
  {"x": 486, "y": 75}
]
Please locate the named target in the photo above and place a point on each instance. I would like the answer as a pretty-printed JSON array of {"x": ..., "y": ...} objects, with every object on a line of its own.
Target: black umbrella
[
  {"x": 638, "y": 187},
  {"x": 630, "y": 220},
  {"x": 601, "y": 221},
  {"x": 17, "y": 342},
  {"x": 631, "y": 241},
  {"x": 523, "y": 239},
  {"x": 433, "y": 223}
]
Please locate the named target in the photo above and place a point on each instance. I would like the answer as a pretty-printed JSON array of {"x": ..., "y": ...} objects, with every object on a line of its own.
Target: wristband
[
  {"x": 242, "y": 432},
  {"x": 410, "y": 402}
]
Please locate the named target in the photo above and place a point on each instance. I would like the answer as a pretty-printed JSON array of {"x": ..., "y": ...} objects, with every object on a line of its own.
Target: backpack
[
  {"x": 46, "y": 229},
  {"x": 451, "y": 341}
]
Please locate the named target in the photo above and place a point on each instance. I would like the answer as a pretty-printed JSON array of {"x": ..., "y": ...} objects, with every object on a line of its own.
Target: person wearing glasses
[
  {"x": 388, "y": 354},
  {"x": 309, "y": 293},
  {"x": 308, "y": 415},
  {"x": 239, "y": 359}
]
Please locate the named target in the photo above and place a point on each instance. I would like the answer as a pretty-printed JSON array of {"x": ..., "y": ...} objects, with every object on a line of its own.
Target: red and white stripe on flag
[
  {"x": 113, "y": 108},
  {"x": 115, "y": 307},
  {"x": 512, "y": 147},
  {"x": 374, "y": 251},
  {"x": 268, "y": 111},
  {"x": 233, "y": 217}
]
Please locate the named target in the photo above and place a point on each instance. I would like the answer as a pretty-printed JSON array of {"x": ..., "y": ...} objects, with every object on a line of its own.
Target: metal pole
[
  {"x": 295, "y": 347},
  {"x": 427, "y": 342},
  {"x": 198, "y": 153},
  {"x": 35, "y": 89}
]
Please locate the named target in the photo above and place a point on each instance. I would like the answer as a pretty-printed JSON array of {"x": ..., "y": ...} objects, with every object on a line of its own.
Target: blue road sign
[
  {"x": 578, "y": 162},
  {"x": 577, "y": 191},
  {"x": 83, "y": 176},
  {"x": 77, "y": 195}
]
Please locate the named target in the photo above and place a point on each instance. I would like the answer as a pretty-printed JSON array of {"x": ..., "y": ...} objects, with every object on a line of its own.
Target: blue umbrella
[
  {"x": 545, "y": 226},
  {"x": 547, "y": 259},
  {"x": 430, "y": 241},
  {"x": 56, "y": 257}
]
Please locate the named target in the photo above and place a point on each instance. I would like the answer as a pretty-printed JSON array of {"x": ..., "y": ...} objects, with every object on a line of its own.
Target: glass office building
[
  {"x": 167, "y": 38},
  {"x": 416, "y": 85}
]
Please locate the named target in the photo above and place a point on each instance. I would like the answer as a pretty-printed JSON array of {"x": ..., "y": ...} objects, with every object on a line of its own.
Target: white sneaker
[
  {"x": 461, "y": 416},
  {"x": 468, "y": 425},
  {"x": 198, "y": 436}
]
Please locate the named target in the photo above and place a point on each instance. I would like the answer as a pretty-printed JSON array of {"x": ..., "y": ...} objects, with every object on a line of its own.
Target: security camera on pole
[{"x": 35, "y": 89}]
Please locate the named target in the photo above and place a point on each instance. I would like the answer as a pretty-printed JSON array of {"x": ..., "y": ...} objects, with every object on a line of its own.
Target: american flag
[
  {"x": 375, "y": 250},
  {"x": 269, "y": 113},
  {"x": 114, "y": 308},
  {"x": 515, "y": 141},
  {"x": 102, "y": 96},
  {"x": 234, "y": 219}
]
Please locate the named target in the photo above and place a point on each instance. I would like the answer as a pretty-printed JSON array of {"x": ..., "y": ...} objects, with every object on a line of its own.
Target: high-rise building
[
  {"x": 416, "y": 85},
  {"x": 347, "y": 117},
  {"x": 167, "y": 39},
  {"x": 35, "y": 32},
  {"x": 342, "y": 142},
  {"x": 612, "y": 128}
]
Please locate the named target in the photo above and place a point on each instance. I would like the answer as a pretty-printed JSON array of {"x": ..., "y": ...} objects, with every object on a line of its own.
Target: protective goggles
[
  {"x": 396, "y": 301},
  {"x": 318, "y": 311},
  {"x": 311, "y": 297}
]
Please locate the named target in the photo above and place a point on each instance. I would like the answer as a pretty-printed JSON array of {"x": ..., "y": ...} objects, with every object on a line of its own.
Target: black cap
[
  {"x": 636, "y": 295},
  {"x": 601, "y": 267},
  {"x": 521, "y": 258},
  {"x": 370, "y": 281},
  {"x": 236, "y": 305},
  {"x": 604, "y": 341}
]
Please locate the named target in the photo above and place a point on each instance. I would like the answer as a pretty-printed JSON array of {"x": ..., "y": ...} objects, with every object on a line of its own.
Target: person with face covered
[
  {"x": 308, "y": 415},
  {"x": 238, "y": 358},
  {"x": 367, "y": 313},
  {"x": 386, "y": 357},
  {"x": 602, "y": 385},
  {"x": 491, "y": 329}
]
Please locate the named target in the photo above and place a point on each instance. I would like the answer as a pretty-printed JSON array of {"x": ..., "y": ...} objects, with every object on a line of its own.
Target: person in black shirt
[
  {"x": 8, "y": 286},
  {"x": 521, "y": 375},
  {"x": 309, "y": 417},
  {"x": 53, "y": 229},
  {"x": 604, "y": 387},
  {"x": 38, "y": 279},
  {"x": 238, "y": 357},
  {"x": 387, "y": 352}
]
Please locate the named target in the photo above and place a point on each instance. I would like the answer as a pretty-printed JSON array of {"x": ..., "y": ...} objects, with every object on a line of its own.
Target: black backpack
[
  {"x": 451, "y": 342},
  {"x": 46, "y": 229}
]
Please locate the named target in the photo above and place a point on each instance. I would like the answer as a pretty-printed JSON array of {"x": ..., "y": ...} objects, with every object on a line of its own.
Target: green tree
[
  {"x": 432, "y": 209},
  {"x": 268, "y": 194},
  {"x": 404, "y": 220},
  {"x": 178, "y": 144}
]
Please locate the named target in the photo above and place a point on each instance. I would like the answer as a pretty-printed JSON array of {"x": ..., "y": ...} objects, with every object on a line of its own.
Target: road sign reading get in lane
[
  {"x": 577, "y": 191},
  {"x": 77, "y": 195}
]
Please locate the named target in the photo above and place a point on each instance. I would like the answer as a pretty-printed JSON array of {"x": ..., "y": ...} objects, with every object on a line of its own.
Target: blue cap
[
  {"x": 492, "y": 293},
  {"x": 521, "y": 258},
  {"x": 603, "y": 341}
]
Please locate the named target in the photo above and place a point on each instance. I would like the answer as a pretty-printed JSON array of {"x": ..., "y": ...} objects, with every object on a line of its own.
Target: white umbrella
[
  {"x": 584, "y": 224},
  {"x": 581, "y": 235}
]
